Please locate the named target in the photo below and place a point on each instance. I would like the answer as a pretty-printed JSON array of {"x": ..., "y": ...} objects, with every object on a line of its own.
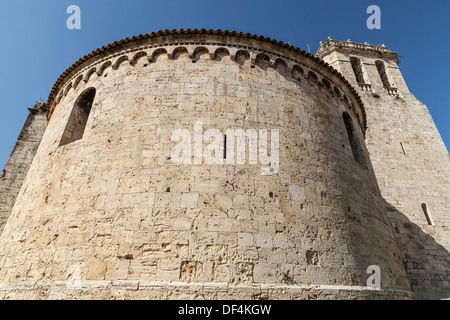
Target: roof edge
[{"x": 168, "y": 32}]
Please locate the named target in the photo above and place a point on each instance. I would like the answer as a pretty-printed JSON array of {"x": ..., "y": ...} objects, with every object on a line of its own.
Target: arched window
[
  {"x": 78, "y": 118},
  {"x": 427, "y": 214},
  {"x": 353, "y": 138},
  {"x": 382, "y": 71},
  {"x": 357, "y": 69}
]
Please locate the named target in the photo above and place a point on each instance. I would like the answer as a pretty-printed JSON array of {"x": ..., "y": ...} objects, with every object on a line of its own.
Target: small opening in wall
[
  {"x": 194, "y": 60},
  {"x": 382, "y": 71},
  {"x": 357, "y": 69},
  {"x": 427, "y": 214},
  {"x": 354, "y": 140},
  {"x": 225, "y": 146},
  {"x": 403, "y": 148},
  {"x": 78, "y": 118},
  {"x": 270, "y": 194}
]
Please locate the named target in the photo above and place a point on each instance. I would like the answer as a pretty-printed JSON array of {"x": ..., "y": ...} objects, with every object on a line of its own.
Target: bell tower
[{"x": 410, "y": 160}]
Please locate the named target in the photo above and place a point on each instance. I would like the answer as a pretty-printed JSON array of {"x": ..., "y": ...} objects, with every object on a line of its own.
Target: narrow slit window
[
  {"x": 357, "y": 69},
  {"x": 427, "y": 214},
  {"x": 353, "y": 138},
  {"x": 403, "y": 148},
  {"x": 382, "y": 71},
  {"x": 225, "y": 146},
  {"x": 78, "y": 118}
]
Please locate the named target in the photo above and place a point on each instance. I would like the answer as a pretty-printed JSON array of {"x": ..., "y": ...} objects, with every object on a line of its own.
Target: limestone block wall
[
  {"x": 412, "y": 166},
  {"x": 18, "y": 164},
  {"x": 112, "y": 216}
]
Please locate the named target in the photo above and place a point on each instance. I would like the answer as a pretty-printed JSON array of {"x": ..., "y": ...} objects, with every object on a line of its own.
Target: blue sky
[{"x": 37, "y": 46}]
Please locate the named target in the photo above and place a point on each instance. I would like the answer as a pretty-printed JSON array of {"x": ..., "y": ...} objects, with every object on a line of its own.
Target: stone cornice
[
  {"x": 348, "y": 46},
  {"x": 120, "y": 51}
]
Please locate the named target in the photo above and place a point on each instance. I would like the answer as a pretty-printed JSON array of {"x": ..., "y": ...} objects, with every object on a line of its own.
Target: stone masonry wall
[
  {"x": 18, "y": 164},
  {"x": 112, "y": 216},
  {"x": 412, "y": 166}
]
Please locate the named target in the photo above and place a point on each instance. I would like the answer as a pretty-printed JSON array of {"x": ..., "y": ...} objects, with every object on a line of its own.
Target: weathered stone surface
[
  {"x": 13, "y": 175},
  {"x": 116, "y": 216},
  {"x": 410, "y": 161}
]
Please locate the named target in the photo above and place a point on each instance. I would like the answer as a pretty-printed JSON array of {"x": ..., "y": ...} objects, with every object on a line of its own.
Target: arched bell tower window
[
  {"x": 382, "y": 71},
  {"x": 78, "y": 118},
  {"x": 353, "y": 138},
  {"x": 357, "y": 69}
]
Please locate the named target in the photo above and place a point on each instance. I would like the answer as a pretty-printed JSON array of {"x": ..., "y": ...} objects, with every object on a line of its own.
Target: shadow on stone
[{"x": 427, "y": 262}]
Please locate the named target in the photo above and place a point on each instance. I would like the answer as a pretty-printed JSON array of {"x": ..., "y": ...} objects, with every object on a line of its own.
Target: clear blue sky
[{"x": 37, "y": 46}]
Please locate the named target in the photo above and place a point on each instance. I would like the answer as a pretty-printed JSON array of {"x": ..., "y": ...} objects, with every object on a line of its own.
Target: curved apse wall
[{"x": 114, "y": 215}]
